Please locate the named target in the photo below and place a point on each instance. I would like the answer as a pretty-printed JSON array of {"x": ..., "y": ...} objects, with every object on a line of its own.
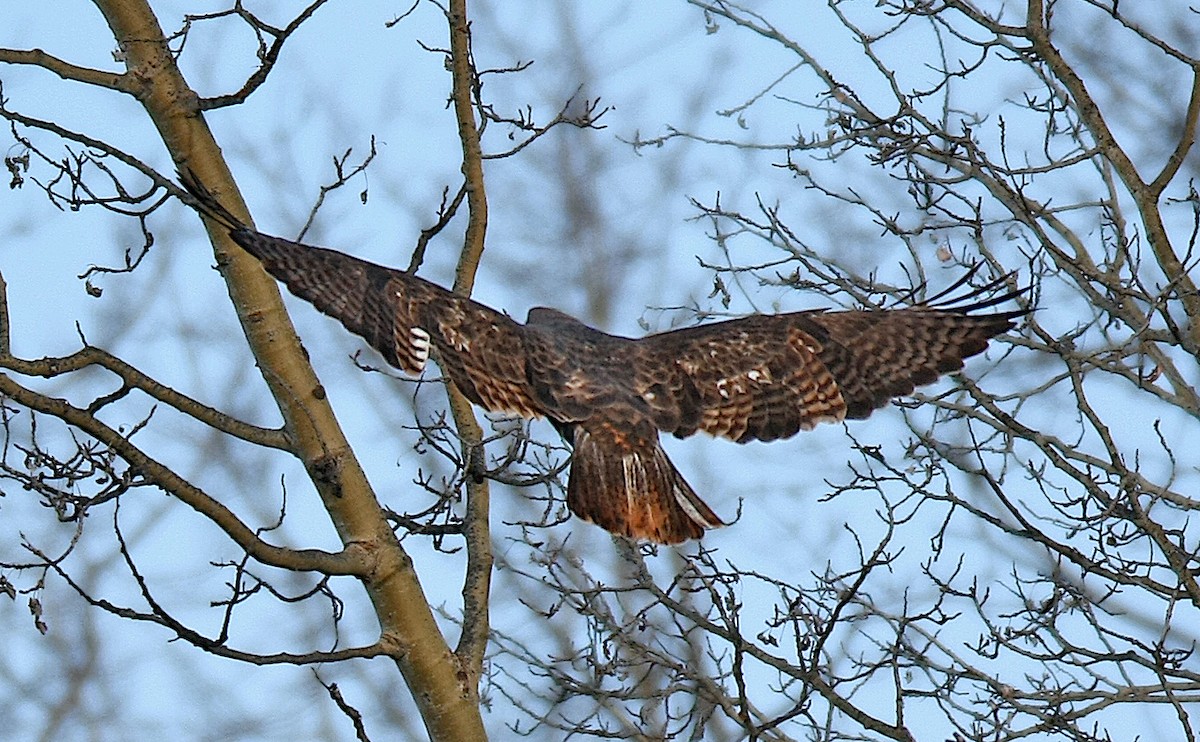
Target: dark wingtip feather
[
  {"x": 876, "y": 355},
  {"x": 203, "y": 200},
  {"x": 975, "y": 298},
  {"x": 988, "y": 295},
  {"x": 269, "y": 250}
]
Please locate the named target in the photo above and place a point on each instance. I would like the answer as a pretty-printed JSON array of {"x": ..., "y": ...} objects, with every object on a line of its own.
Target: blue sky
[{"x": 344, "y": 79}]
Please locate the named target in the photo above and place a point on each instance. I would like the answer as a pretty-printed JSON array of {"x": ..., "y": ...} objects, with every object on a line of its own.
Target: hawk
[{"x": 761, "y": 377}]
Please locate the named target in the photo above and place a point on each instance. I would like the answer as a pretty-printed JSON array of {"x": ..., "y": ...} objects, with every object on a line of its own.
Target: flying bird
[{"x": 761, "y": 377}]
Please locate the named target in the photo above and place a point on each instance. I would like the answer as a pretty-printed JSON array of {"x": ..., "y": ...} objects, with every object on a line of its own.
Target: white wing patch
[
  {"x": 412, "y": 348},
  {"x": 419, "y": 343}
]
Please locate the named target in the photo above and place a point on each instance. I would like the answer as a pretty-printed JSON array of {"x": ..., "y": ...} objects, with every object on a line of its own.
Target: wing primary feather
[
  {"x": 946, "y": 300},
  {"x": 970, "y": 301},
  {"x": 205, "y": 202},
  {"x": 403, "y": 316},
  {"x": 908, "y": 298}
]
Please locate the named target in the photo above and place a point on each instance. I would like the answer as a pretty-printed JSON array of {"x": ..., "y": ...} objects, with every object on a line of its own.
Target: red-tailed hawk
[{"x": 762, "y": 377}]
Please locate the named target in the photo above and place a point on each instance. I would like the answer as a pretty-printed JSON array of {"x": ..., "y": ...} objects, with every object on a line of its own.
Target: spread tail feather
[{"x": 624, "y": 483}]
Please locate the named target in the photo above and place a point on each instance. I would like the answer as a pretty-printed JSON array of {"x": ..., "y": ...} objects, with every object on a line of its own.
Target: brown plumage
[{"x": 762, "y": 377}]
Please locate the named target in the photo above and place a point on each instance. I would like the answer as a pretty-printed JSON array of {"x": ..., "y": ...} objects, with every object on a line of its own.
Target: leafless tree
[
  {"x": 82, "y": 454},
  {"x": 1017, "y": 562},
  {"x": 1024, "y": 565}
]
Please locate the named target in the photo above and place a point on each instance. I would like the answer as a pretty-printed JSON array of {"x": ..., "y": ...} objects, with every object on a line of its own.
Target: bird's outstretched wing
[
  {"x": 766, "y": 377},
  {"x": 402, "y": 316}
]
